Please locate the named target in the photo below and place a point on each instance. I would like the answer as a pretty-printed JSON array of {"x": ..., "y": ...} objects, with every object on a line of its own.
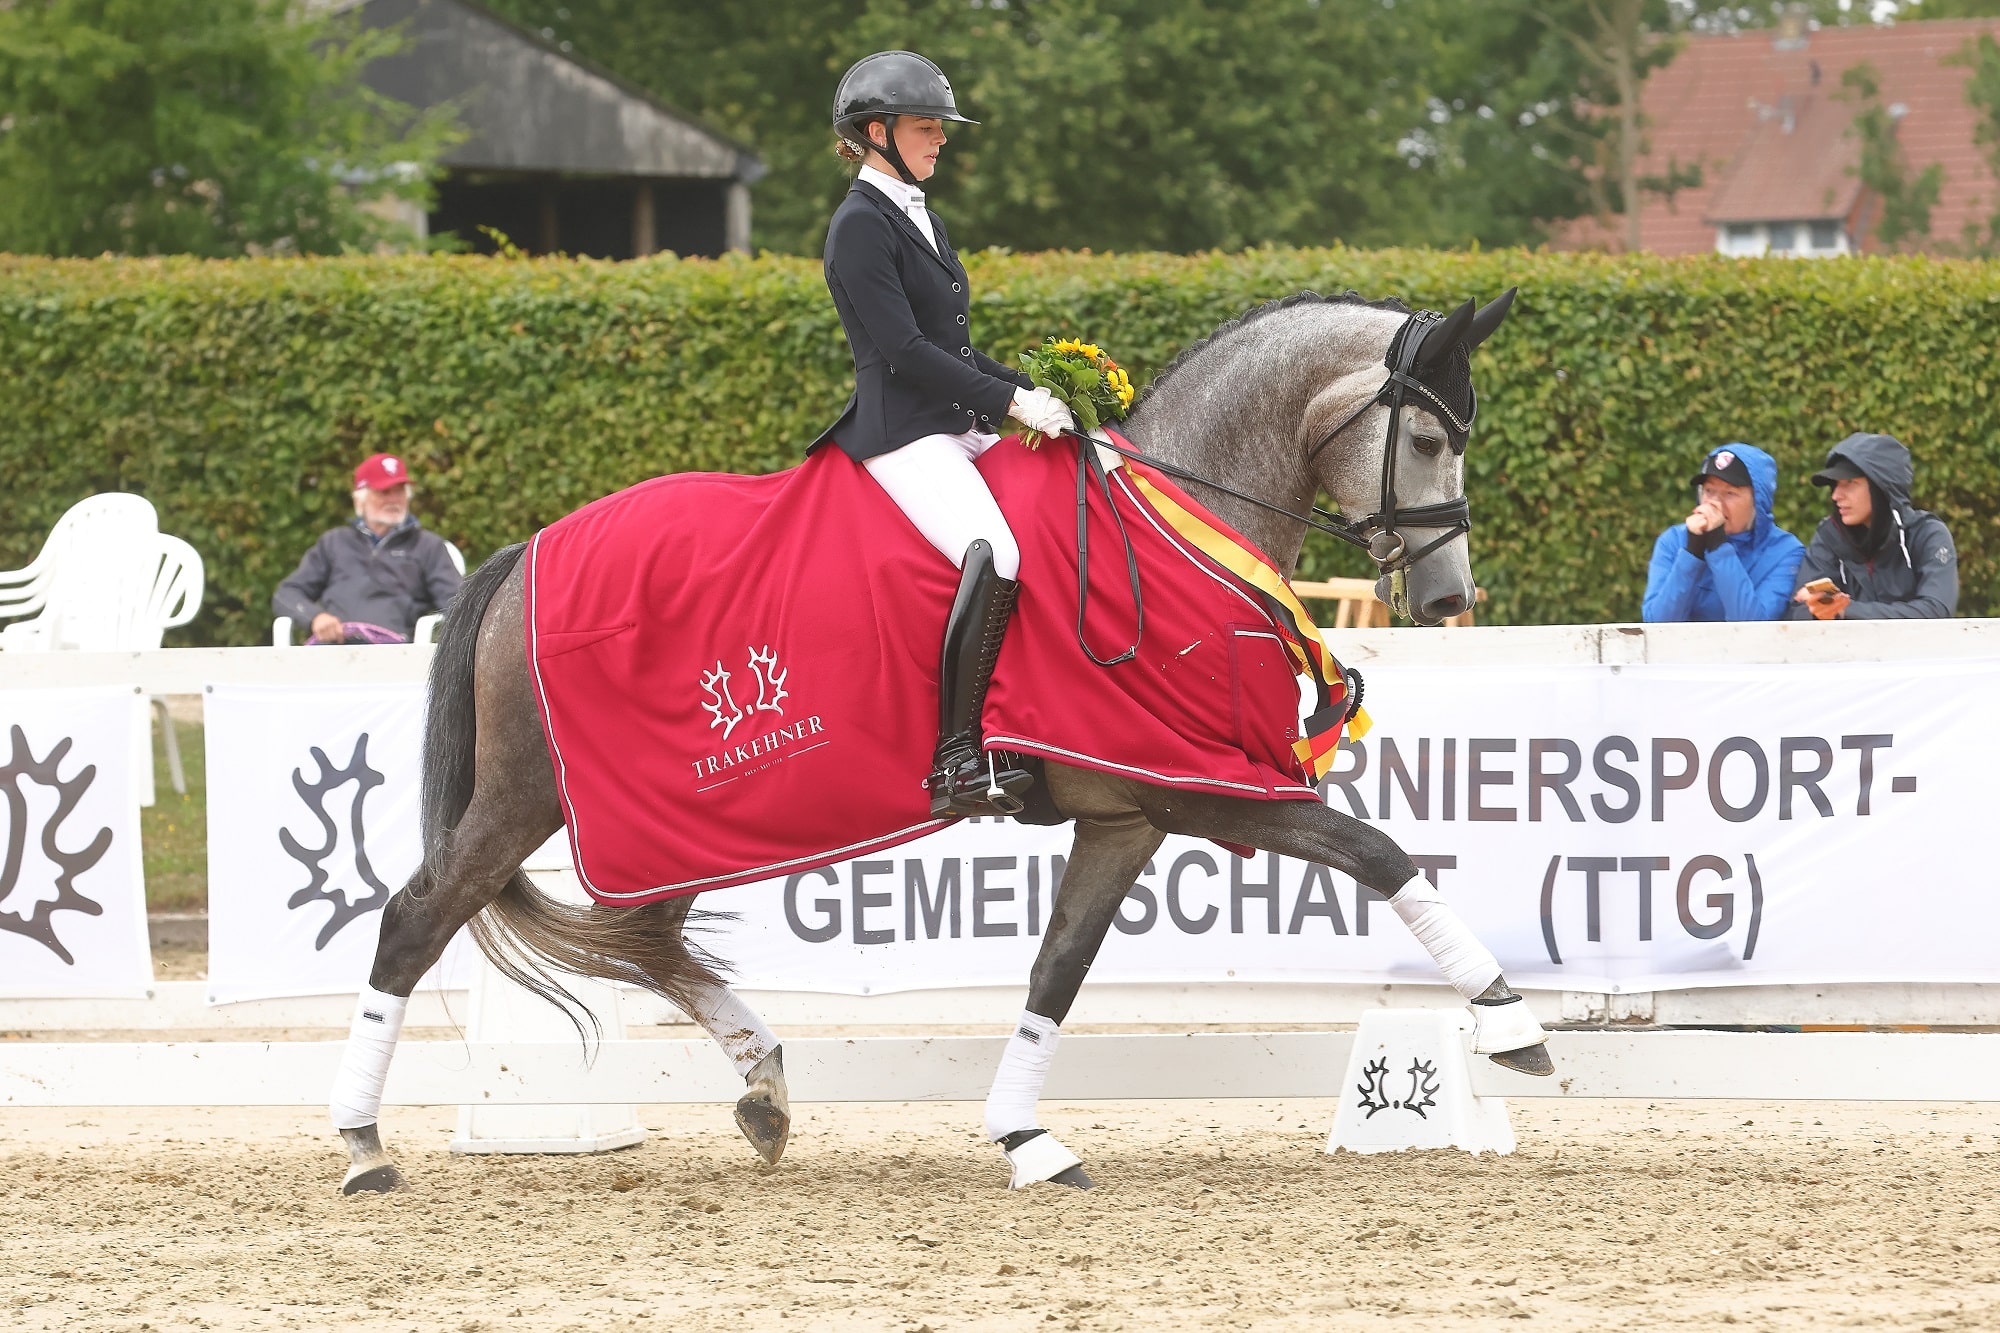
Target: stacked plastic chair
[{"x": 106, "y": 580}]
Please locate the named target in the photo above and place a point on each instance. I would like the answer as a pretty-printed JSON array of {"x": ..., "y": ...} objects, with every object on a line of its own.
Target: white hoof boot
[
  {"x": 1036, "y": 1155},
  {"x": 1509, "y": 1034}
]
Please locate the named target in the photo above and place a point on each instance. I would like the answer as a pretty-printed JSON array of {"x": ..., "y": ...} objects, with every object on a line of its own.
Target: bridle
[{"x": 1376, "y": 534}]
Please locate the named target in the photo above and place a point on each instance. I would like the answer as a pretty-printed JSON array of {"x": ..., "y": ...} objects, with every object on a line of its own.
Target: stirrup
[{"x": 957, "y": 787}]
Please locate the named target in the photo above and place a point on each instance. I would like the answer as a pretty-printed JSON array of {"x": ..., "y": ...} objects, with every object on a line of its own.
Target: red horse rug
[{"x": 738, "y": 675}]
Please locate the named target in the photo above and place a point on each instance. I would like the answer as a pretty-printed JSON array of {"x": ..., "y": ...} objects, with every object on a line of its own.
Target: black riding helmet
[{"x": 886, "y": 85}]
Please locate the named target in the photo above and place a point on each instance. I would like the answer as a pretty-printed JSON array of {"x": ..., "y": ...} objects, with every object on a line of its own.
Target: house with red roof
[{"x": 1764, "y": 116}]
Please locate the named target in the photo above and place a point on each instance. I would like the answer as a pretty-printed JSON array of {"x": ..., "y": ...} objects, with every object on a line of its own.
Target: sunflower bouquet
[{"x": 1095, "y": 388}]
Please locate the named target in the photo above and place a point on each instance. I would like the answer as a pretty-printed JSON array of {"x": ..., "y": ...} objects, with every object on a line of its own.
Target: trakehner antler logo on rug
[
  {"x": 724, "y": 711},
  {"x": 358, "y": 890},
  {"x": 722, "y": 707},
  {"x": 50, "y": 884}
]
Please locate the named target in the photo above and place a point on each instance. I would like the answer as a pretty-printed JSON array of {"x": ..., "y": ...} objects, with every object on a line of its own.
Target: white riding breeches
[{"x": 932, "y": 480}]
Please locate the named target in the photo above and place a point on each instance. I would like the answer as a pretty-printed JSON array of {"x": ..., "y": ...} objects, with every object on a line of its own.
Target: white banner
[
  {"x": 72, "y": 891},
  {"x": 313, "y": 807},
  {"x": 1601, "y": 828}
]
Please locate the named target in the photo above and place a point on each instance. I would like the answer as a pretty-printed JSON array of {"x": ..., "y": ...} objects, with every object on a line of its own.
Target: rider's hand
[
  {"x": 1038, "y": 409},
  {"x": 326, "y": 627}
]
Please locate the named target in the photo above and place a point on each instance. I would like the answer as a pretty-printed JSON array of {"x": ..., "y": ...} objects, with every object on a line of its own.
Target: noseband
[{"x": 1376, "y": 534}]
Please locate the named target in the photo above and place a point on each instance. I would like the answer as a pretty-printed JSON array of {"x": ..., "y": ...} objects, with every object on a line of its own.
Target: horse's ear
[
  {"x": 1443, "y": 338},
  {"x": 1490, "y": 317}
]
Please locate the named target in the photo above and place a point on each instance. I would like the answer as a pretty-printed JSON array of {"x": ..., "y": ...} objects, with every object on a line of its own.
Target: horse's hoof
[
  {"x": 764, "y": 1113},
  {"x": 767, "y": 1126},
  {"x": 1526, "y": 1060},
  {"x": 383, "y": 1179},
  {"x": 1075, "y": 1177}
]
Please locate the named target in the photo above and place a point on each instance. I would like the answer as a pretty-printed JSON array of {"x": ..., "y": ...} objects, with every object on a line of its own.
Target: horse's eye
[{"x": 1428, "y": 445}]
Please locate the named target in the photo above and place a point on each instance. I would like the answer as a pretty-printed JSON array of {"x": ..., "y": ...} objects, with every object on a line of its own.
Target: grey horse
[{"x": 1275, "y": 407}]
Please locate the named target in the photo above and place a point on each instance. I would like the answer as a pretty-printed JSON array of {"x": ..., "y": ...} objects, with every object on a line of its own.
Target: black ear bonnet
[{"x": 1439, "y": 378}]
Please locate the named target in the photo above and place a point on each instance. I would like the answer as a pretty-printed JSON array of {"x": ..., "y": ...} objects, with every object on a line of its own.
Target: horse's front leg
[
  {"x": 1504, "y": 1029},
  {"x": 1107, "y": 856}
]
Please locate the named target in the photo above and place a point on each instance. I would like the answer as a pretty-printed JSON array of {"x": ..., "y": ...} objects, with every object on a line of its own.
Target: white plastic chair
[
  {"x": 424, "y": 631},
  {"x": 97, "y": 545},
  {"x": 107, "y": 580}
]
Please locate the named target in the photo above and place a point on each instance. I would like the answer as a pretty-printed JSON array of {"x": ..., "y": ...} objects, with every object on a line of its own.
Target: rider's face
[{"x": 918, "y": 138}]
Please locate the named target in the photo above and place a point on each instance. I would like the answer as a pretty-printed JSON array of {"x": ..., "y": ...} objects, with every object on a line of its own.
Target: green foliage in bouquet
[{"x": 1083, "y": 378}]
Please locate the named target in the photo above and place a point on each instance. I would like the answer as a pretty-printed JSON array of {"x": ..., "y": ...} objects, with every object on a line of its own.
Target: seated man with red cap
[{"x": 370, "y": 580}]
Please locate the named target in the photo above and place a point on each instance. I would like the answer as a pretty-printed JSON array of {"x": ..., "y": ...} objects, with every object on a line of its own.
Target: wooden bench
[{"x": 1357, "y": 607}]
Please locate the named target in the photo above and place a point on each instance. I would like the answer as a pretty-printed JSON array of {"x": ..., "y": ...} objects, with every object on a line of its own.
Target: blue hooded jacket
[{"x": 1747, "y": 577}]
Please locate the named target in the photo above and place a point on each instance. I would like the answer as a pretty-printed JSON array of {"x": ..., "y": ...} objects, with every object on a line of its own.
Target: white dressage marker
[
  {"x": 1409, "y": 1085},
  {"x": 505, "y": 1012}
]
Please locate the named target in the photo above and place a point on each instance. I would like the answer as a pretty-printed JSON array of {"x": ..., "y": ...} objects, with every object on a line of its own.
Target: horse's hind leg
[
  {"x": 496, "y": 734},
  {"x": 764, "y": 1111},
  {"x": 417, "y": 924},
  {"x": 1505, "y": 1030}
]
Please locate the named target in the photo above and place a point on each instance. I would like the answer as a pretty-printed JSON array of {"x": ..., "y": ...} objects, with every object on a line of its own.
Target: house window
[
  {"x": 1741, "y": 238},
  {"x": 1826, "y": 236},
  {"x": 1784, "y": 237}
]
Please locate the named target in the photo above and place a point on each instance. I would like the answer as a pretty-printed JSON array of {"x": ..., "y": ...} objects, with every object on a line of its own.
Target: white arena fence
[{"x": 1618, "y": 1061}]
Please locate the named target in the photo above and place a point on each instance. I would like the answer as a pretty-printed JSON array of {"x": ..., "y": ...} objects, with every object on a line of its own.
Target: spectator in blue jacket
[{"x": 1729, "y": 560}]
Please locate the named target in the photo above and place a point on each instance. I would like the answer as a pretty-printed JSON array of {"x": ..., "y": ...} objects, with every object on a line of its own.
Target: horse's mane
[{"x": 1251, "y": 316}]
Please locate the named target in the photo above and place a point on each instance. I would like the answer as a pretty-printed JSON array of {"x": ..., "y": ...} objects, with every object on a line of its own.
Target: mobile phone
[{"x": 1821, "y": 590}]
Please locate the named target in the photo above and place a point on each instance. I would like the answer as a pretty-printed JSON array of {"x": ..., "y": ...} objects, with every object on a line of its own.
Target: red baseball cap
[{"x": 378, "y": 472}]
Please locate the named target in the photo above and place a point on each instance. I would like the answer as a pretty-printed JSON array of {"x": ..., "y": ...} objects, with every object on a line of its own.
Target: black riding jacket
[{"x": 906, "y": 310}]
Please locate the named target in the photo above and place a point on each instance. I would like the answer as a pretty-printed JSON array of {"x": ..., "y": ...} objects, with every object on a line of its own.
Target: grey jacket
[
  {"x": 390, "y": 583},
  {"x": 1913, "y": 571}
]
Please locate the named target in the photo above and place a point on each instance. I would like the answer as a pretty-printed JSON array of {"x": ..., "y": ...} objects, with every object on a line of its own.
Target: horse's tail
[
  {"x": 528, "y": 936},
  {"x": 450, "y": 722}
]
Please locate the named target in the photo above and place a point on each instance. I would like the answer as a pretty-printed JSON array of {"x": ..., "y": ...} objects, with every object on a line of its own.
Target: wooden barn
[{"x": 559, "y": 155}]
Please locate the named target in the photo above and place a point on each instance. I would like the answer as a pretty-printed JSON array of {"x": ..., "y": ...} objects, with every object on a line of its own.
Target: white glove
[{"x": 1038, "y": 409}]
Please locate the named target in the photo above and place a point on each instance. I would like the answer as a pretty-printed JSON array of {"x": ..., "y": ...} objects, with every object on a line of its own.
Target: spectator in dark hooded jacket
[
  {"x": 1729, "y": 560},
  {"x": 1888, "y": 560}
]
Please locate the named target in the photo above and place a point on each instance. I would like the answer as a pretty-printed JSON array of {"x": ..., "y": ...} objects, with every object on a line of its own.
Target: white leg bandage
[
  {"x": 1465, "y": 962},
  {"x": 735, "y": 1027},
  {"x": 357, "y": 1088},
  {"x": 1017, "y": 1085}
]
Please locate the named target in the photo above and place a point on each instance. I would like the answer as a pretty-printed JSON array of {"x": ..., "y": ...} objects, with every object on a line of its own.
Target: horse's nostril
[{"x": 1443, "y": 608}]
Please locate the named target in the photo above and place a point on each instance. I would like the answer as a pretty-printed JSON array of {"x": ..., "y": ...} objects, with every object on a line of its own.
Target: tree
[
  {"x": 1907, "y": 201},
  {"x": 208, "y": 127},
  {"x": 1981, "y": 56},
  {"x": 1122, "y": 124}
]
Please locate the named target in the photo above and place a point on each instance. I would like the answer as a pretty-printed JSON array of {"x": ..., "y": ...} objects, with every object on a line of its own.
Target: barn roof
[{"x": 530, "y": 107}]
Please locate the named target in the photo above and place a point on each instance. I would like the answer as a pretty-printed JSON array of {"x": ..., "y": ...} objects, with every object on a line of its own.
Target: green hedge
[{"x": 237, "y": 395}]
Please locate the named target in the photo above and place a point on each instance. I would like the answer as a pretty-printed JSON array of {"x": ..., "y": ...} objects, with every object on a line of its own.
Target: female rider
[{"x": 926, "y": 404}]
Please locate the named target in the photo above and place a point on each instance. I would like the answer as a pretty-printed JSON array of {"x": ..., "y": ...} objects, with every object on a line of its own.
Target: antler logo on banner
[
  {"x": 339, "y": 894},
  {"x": 28, "y": 904}
]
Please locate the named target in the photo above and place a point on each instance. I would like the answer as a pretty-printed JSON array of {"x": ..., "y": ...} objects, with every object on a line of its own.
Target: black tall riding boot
[{"x": 965, "y": 780}]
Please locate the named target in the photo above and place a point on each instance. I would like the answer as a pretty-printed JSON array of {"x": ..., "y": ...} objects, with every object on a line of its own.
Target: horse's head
[
  {"x": 1298, "y": 396},
  {"x": 1387, "y": 442}
]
